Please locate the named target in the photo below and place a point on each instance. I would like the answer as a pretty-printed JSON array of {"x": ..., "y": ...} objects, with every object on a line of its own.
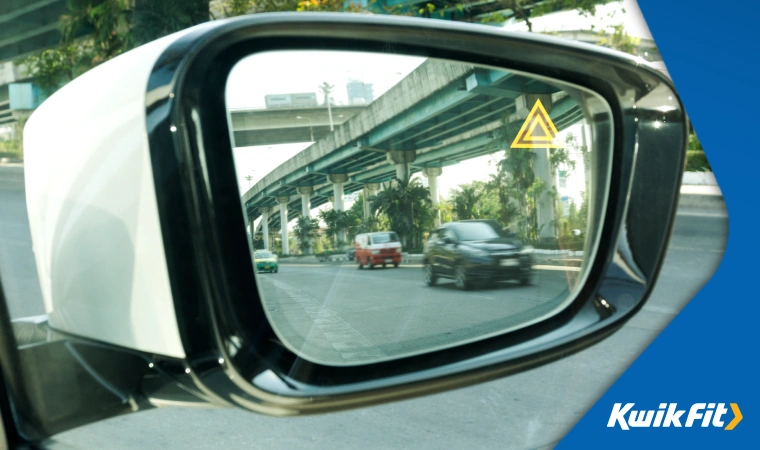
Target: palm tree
[
  {"x": 499, "y": 183},
  {"x": 516, "y": 170},
  {"x": 408, "y": 208},
  {"x": 465, "y": 200},
  {"x": 368, "y": 225},
  {"x": 306, "y": 230},
  {"x": 336, "y": 221}
]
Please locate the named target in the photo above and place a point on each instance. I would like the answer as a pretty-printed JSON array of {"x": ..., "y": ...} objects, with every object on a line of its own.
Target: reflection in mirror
[{"x": 397, "y": 205}]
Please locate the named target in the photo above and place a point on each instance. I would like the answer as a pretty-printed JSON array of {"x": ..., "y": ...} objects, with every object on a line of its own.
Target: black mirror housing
[{"x": 206, "y": 259}]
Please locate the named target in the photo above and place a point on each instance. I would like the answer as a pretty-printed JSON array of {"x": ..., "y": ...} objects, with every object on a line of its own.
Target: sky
[
  {"x": 301, "y": 71},
  {"x": 248, "y": 85},
  {"x": 298, "y": 72}
]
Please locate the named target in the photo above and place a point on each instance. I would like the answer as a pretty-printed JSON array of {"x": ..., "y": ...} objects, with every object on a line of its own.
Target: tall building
[{"x": 359, "y": 93}]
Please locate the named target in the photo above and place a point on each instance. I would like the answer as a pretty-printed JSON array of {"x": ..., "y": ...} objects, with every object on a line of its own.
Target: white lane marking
[
  {"x": 303, "y": 264},
  {"x": 536, "y": 267},
  {"x": 696, "y": 249},
  {"x": 701, "y": 213},
  {"x": 659, "y": 309},
  {"x": 348, "y": 342},
  {"x": 568, "y": 268}
]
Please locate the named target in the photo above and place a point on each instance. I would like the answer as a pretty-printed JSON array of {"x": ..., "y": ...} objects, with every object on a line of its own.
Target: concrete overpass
[
  {"x": 284, "y": 125},
  {"x": 438, "y": 115},
  {"x": 6, "y": 115},
  {"x": 29, "y": 26}
]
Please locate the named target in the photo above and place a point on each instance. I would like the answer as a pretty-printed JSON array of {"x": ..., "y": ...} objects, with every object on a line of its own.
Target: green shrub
[
  {"x": 570, "y": 243},
  {"x": 696, "y": 161},
  {"x": 11, "y": 149}
]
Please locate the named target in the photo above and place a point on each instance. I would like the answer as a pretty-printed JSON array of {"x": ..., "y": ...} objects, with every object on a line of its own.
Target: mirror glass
[{"x": 397, "y": 205}]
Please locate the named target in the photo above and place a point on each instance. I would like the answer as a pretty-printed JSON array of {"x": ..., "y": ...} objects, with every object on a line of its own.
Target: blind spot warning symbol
[{"x": 537, "y": 131}]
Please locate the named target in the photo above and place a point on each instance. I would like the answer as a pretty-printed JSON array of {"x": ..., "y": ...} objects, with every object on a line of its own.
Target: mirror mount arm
[{"x": 71, "y": 372}]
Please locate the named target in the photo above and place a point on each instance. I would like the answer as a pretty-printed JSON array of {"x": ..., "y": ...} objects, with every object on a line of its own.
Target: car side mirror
[{"x": 162, "y": 223}]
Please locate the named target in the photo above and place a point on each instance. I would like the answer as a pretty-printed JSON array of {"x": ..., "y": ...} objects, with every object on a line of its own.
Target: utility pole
[
  {"x": 249, "y": 178},
  {"x": 326, "y": 89}
]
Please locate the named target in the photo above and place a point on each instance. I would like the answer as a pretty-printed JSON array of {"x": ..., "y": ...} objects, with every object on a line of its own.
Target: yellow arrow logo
[
  {"x": 737, "y": 417},
  {"x": 538, "y": 130}
]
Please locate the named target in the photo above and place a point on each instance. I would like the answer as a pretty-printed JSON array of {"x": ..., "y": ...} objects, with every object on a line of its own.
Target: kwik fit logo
[{"x": 668, "y": 415}]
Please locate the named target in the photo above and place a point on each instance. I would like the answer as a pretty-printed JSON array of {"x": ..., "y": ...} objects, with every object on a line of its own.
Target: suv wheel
[
  {"x": 429, "y": 276},
  {"x": 461, "y": 279}
]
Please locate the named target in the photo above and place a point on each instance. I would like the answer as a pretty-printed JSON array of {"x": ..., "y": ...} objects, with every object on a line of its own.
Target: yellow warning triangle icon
[{"x": 537, "y": 131}]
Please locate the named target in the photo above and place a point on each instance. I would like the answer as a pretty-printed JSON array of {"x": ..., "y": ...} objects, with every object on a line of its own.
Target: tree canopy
[
  {"x": 407, "y": 205},
  {"x": 95, "y": 31}
]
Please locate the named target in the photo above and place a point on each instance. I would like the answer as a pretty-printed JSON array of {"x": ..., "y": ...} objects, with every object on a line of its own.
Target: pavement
[
  {"x": 529, "y": 410},
  {"x": 701, "y": 196}
]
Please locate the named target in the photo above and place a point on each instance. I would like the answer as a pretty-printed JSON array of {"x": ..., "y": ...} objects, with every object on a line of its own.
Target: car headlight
[
  {"x": 375, "y": 252},
  {"x": 478, "y": 252},
  {"x": 527, "y": 250}
]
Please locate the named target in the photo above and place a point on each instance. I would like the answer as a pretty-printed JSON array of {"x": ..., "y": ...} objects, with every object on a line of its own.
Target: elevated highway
[
  {"x": 271, "y": 126},
  {"x": 440, "y": 114}
]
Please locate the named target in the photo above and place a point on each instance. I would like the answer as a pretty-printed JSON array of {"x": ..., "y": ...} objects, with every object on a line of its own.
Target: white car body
[{"x": 92, "y": 208}]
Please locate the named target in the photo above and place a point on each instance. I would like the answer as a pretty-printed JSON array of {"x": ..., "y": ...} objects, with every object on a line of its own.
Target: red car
[{"x": 374, "y": 249}]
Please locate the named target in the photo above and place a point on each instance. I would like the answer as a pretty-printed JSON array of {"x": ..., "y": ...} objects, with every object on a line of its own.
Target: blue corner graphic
[{"x": 708, "y": 353}]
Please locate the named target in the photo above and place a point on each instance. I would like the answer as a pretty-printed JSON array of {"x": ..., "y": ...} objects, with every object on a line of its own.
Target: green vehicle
[{"x": 265, "y": 261}]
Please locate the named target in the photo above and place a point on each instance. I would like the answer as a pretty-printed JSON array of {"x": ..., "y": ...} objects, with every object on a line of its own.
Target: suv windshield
[
  {"x": 382, "y": 238},
  {"x": 475, "y": 231}
]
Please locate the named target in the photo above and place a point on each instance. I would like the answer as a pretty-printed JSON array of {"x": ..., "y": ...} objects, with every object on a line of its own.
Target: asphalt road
[
  {"x": 530, "y": 410},
  {"x": 336, "y": 314},
  {"x": 17, "y": 267}
]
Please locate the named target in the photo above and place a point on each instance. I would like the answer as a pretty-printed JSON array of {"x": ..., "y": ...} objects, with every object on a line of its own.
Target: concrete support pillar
[
  {"x": 338, "y": 196},
  {"x": 306, "y": 192},
  {"x": 432, "y": 174},
  {"x": 283, "y": 201},
  {"x": 525, "y": 102},
  {"x": 366, "y": 204},
  {"x": 403, "y": 160},
  {"x": 251, "y": 233},
  {"x": 337, "y": 180},
  {"x": 586, "y": 160},
  {"x": 523, "y": 105},
  {"x": 545, "y": 203},
  {"x": 370, "y": 190},
  {"x": 402, "y": 171},
  {"x": 265, "y": 225}
]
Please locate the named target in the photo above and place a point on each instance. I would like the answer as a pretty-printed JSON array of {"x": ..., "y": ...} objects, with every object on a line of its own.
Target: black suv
[{"x": 476, "y": 250}]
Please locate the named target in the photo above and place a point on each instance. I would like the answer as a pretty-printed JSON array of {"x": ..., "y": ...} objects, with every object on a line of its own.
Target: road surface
[{"x": 336, "y": 314}]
